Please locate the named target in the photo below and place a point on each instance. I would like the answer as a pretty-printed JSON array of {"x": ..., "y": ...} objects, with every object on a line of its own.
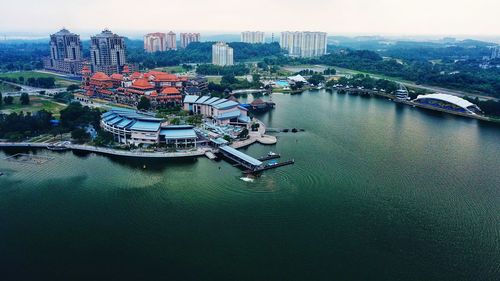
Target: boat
[
  {"x": 56, "y": 147},
  {"x": 272, "y": 153},
  {"x": 272, "y": 163}
]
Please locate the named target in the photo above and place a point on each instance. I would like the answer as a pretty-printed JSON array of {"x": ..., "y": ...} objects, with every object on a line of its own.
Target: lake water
[{"x": 379, "y": 191}]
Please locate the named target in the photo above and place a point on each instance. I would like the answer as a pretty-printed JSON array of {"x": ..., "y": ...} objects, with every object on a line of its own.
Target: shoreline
[{"x": 254, "y": 137}]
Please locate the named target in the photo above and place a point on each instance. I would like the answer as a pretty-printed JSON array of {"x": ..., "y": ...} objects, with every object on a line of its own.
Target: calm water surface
[{"x": 379, "y": 191}]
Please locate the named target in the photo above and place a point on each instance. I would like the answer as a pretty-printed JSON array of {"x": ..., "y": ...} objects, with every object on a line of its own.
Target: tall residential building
[
  {"x": 495, "y": 52},
  {"x": 107, "y": 52},
  {"x": 304, "y": 44},
  {"x": 155, "y": 42},
  {"x": 171, "y": 41},
  {"x": 253, "y": 37},
  {"x": 222, "y": 54},
  {"x": 188, "y": 38},
  {"x": 65, "y": 53}
]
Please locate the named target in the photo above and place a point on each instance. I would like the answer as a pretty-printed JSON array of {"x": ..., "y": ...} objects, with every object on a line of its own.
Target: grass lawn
[
  {"x": 36, "y": 104},
  {"x": 214, "y": 79},
  {"x": 60, "y": 81},
  {"x": 171, "y": 69}
]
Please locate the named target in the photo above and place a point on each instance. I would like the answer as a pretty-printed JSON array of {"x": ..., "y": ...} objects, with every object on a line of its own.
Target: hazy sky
[{"x": 398, "y": 17}]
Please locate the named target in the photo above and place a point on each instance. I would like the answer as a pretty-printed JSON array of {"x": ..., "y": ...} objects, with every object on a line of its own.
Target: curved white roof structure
[{"x": 460, "y": 102}]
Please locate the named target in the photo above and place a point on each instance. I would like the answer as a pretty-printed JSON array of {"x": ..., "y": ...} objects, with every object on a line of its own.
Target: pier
[{"x": 252, "y": 165}]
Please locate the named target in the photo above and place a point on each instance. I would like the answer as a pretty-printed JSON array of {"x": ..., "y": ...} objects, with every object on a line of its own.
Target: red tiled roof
[
  {"x": 142, "y": 83},
  {"x": 117, "y": 77},
  {"x": 170, "y": 91},
  {"x": 126, "y": 69},
  {"x": 136, "y": 75},
  {"x": 100, "y": 76}
]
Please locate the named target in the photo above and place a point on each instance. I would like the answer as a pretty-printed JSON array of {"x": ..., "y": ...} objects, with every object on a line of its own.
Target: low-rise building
[
  {"x": 221, "y": 111},
  {"x": 132, "y": 127}
]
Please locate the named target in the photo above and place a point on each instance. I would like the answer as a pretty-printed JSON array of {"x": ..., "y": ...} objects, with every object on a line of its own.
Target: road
[{"x": 31, "y": 90}]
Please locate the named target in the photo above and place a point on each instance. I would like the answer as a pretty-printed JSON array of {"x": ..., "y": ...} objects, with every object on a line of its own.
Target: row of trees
[
  {"x": 367, "y": 82},
  {"x": 9, "y": 100},
  {"x": 40, "y": 82},
  {"x": 17, "y": 126}
]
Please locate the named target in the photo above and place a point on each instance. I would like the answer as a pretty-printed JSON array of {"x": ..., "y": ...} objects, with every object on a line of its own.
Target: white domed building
[{"x": 448, "y": 102}]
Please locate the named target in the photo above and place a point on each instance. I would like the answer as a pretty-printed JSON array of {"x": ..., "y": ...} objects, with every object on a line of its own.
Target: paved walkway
[
  {"x": 116, "y": 152},
  {"x": 258, "y": 136}
]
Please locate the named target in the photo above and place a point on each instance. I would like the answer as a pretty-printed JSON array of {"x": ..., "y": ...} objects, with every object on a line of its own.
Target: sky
[{"x": 342, "y": 17}]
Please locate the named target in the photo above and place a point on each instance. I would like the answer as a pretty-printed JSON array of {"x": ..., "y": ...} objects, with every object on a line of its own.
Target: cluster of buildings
[
  {"x": 160, "y": 42},
  {"x": 253, "y": 37},
  {"x": 222, "y": 54},
  {"x": 304, "y": 44},
  {"x": 132, "y": 127},
  {"x": 160, "y": 88},
  {"x": 107, "y": 50},
  {"x": 107, "y": 53}
]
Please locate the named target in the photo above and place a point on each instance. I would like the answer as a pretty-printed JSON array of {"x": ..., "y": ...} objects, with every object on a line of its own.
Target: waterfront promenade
[
  {"x": 253, "y": 137},
  {"x": 411, "y": 103}
]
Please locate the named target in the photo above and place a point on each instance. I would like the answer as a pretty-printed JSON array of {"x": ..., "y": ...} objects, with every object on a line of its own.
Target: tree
[
  {"x": 72, "y": 87},
  {"x": 256, "y": 78},
  {"x": 144, "y": 103},
  {"x": 315, "y": 79},
  {"x": 25, "y": 99},
  {"x": 8, "y": 100},
  {"x": 229, "y": 79},
  {"x": 80, "y": 135}
]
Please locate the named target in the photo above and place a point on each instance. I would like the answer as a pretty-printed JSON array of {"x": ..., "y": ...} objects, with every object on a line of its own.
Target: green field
[
  {"x": 60, "y": 81},
  {"x": 36, "y": 104},
  {"x": 171, "y": 69},
  {"x": 214, "y": 79}
]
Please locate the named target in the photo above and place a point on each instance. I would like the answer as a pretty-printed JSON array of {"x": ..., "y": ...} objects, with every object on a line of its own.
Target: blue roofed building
[
  {"x": 132, "y": 127},
  {"x": 221, "y": 111}
]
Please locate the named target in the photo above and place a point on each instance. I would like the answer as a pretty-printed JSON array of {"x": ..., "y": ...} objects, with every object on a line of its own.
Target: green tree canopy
[
  {"x": 144, "y": 104},
  {"x": 25, "y": 99}
]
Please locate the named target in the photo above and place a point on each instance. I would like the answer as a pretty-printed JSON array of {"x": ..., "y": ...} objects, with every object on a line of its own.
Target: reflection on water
[{"x": 379, "y": 191}]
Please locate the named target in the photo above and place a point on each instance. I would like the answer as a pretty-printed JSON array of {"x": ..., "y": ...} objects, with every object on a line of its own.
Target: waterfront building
[
  {"x": 188, "y": 38},
  {"x": 221, "y": 111},
  {"x": 222, "y": 54},
  {"x": 107, "y": 52},
  {"x": 448, "y": 102},
  {"x": 253, "y": 37},
  {"x": 155, "y": 42},
  {"x": 171, "y": 41},
  {"x": 304, "y": 44},
  {"x": 402, "y": 94},
  {"x": 132, "y": 127},
  {"x": 65, "y": 53}
]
